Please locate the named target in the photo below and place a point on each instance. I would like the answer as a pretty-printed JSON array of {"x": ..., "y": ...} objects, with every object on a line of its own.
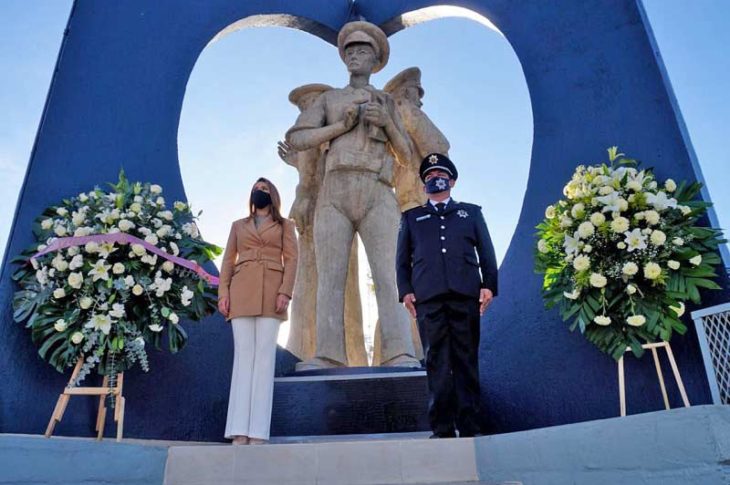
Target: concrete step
[
  {"x": 678, "y": 447},
  {"x": 391, "y": 461}
]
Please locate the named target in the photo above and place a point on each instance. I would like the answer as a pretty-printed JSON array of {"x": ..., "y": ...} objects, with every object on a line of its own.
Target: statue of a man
[
  {"x": 365, "y": 135},
  {"x": 407, "y": 92},
  {"x": 302, "y": 333}
]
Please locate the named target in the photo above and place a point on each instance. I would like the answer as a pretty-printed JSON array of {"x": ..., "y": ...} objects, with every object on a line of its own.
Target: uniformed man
[{"x": 442, "y": 246}]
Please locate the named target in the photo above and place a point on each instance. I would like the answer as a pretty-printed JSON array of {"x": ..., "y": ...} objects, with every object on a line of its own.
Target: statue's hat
[
  {"x": 437, "y": 161},
  {"x": 367, "y": 33},
  {"x": 298, "y": 93},
  {"x": 411, "y": 76}
]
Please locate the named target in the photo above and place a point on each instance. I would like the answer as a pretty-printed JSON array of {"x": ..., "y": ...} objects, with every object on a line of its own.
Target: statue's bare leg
[
  {"x": 302, "y": 331},
  {"x": 354, "y": 337},
  {"x": 333, "y": 233},
  {"x": 379, "y": 231}
]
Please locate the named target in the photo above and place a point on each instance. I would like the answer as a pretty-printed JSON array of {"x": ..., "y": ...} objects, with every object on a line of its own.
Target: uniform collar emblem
[
  {"x": 462, "y": 213},
  {"x": 433, "y": 159}
]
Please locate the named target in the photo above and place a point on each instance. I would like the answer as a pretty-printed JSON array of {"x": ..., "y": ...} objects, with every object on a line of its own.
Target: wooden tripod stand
[
  {"x": 102, "y": 392},
  {"x": 660, "y": 376}
]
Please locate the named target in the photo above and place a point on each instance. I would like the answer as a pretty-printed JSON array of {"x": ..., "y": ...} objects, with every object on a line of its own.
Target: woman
[{"x": 256, "y": 283}]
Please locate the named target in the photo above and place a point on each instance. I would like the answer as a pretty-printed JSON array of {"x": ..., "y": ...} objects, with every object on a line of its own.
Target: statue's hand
[
  {"x": 286, "y": 153},
  {"x": 376, "y": 114},
  {"x": 351, "y": 117}
]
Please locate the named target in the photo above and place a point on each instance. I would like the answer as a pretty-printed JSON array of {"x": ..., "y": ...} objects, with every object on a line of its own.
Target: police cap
[{"x": 437, "y": 161}]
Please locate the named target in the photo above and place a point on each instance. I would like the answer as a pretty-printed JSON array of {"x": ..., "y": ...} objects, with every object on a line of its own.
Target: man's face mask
[{"x": 434, "y": 185}]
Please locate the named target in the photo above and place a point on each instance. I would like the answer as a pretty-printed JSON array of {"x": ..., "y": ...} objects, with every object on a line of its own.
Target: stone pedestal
[{"x": 350, "y": 400}]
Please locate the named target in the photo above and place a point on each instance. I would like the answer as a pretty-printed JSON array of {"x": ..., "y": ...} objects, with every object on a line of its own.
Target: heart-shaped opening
[{"x": 236, "y": 110}]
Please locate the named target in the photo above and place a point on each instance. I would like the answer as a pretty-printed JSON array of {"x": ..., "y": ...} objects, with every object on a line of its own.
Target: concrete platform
[
  {"x": 682, "y": 446},
  {"x": 327, "y": 463}
]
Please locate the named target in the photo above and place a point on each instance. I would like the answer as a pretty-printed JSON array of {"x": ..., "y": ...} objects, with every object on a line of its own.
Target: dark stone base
[
  {"x": 370, "y": 402},
  {"x": 353, "y": 371}
]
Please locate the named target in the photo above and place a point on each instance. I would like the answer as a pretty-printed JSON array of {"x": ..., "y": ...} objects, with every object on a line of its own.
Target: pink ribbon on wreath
[{"x": 123, "y": 238}]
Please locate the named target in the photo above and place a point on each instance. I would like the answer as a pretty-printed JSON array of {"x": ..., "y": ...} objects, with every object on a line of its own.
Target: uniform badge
[
  {"x": 433, "y": 159},
  {"x": 462, "y": 213},
  {"x": 423, "y": 218}
]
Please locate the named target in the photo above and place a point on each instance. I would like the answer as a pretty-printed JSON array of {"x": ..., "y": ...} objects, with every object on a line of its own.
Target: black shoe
[
  {"x": 451, "y": 434},
  {"x": 470, "y": 435}
]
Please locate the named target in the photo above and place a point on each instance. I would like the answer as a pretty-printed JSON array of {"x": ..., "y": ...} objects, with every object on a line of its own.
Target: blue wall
[{"x": 594, "y": 81}]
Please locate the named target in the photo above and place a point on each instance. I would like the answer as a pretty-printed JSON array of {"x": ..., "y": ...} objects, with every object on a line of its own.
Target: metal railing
[{"x": 713, "y": 331}]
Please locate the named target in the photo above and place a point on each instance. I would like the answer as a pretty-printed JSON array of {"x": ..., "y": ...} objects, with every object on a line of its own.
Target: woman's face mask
[
  {"x": 260, "y": 199},
  {"x": 434, "y": 185}
]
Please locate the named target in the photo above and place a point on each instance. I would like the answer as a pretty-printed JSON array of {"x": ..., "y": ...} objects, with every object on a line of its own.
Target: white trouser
[{"x": 252, "y": 382}]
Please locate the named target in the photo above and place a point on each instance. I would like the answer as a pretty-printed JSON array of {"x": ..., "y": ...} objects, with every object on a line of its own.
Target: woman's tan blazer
[{"x": 258, "y": 264}]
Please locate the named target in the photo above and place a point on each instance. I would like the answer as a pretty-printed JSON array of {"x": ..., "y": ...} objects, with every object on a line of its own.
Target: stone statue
[
  {"x": 302, "y": 333},
  {"x": 407, "y": 92},
  {"x": 366, "y": 139}
]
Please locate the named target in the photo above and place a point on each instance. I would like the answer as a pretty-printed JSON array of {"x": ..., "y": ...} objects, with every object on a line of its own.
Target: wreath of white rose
[
  {"x": 105, "y": 302},
  {"x": 622, "y": 253}
]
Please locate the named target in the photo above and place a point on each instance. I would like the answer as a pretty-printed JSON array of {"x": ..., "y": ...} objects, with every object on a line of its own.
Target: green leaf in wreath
[
  {"x": 24, "y": 303},
  {"x": 587, "y": 312},
  {"x": 693, "y": 293},
  {"x": 705, "y": 283},
  {"x": 711, "y": 258},
  {"x": 50, "y": 342},
  {"x": 20, "y": 274}
]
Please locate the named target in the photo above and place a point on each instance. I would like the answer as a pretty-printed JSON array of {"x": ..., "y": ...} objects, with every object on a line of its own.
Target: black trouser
[{"x": 449, "y": 328}]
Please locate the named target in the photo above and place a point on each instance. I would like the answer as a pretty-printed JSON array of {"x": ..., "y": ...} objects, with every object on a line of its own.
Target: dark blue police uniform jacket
[{"x": 443, "y": 253}]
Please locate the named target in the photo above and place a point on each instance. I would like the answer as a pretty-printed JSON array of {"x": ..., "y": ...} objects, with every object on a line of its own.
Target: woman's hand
[
  {"x": 282, "y": 303},
  {"x": 224, "y": 306}
]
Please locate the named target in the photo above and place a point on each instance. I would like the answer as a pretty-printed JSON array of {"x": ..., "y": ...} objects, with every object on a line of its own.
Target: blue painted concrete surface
[
  {"x": 675, "y": 447},
  {"x": 62, "y": 461},
  {"x": 594, "y": 80}
]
